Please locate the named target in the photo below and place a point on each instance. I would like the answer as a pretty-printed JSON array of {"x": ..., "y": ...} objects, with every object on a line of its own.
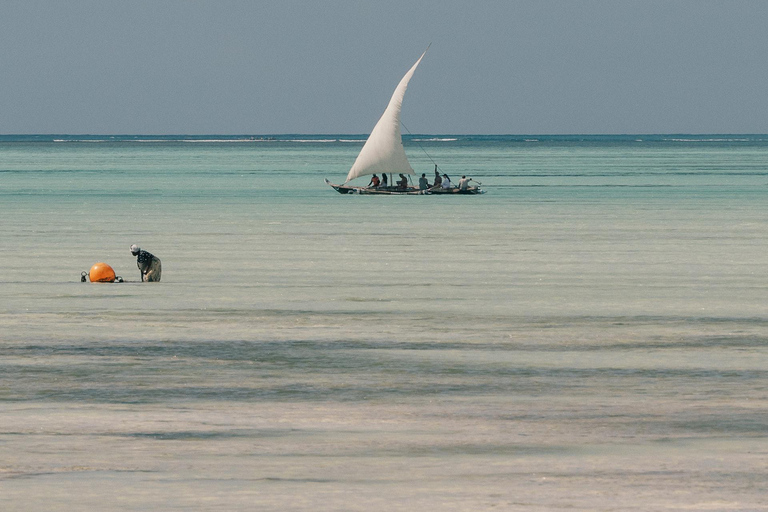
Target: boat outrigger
[{"x": 384, "y": 153}]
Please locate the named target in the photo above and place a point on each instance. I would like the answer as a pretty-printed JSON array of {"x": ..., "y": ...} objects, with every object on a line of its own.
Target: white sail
[{"x": 383, "y": 152}]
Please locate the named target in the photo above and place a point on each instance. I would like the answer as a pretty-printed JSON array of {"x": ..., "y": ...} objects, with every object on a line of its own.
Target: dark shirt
[{"x": 144, "y": 260}]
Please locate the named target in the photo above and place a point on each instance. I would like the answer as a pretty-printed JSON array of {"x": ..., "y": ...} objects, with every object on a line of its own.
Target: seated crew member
[
  {"x": 403, "y": 182},
  {"x": 375, "y": 182},
  {"x": 447, "y": 182},
  {"x": 464, "y": 183},
  {"x": 384, "y": 180},
  {"x": 438, "y": 179},
  {"x": 423, "y": 183},
  {"x": 149, "y": 264}
]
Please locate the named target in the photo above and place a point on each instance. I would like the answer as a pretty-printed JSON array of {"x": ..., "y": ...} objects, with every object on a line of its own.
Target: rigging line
[{"x": 419, "y": 143}]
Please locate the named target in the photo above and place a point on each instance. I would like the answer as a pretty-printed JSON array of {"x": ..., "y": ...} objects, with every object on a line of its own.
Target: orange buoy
[{"x": 101, "y": 273}]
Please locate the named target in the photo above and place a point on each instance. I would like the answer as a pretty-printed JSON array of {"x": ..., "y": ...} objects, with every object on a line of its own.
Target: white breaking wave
[
  {"x": 310, "y": 140},
  {"x": 708, "y": 140}
]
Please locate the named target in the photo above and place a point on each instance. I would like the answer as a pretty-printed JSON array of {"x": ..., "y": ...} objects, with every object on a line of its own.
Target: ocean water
[{"x": 590, "y": 334}]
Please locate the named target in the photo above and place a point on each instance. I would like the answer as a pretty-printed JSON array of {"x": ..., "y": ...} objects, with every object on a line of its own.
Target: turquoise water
[{"x": 590, "y": 333}]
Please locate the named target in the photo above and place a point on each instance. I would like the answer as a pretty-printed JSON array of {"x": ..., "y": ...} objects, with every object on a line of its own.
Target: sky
[{"x": 298, "y": 66}]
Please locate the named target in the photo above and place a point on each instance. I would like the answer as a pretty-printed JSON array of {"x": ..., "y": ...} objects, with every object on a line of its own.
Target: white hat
[{"x": 135, "y": 249}]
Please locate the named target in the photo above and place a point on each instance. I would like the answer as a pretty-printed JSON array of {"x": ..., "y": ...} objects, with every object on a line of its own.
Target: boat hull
[
  {"x": 456, "y": 190},
  {"x": 397, "y": 191}
]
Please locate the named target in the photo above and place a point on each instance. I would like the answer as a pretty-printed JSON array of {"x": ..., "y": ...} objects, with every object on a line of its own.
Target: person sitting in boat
[
  {"x": 464, "y": 183},
  {"x": 384, "y": 180},
  {"x": 438, "y": 179},
  {"x": 423, "y": 183},
  {"x": 446, "y": 182},
  {"x": 375, "y": 182},
  {"x": 403, "y": 182}
]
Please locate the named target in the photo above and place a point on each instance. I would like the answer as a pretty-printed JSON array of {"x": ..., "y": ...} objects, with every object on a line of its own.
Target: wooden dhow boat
[{"x": 384, "y": 153}]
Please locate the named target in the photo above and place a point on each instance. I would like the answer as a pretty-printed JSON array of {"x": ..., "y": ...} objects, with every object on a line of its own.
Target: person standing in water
[{"x": 149, "y": 264}]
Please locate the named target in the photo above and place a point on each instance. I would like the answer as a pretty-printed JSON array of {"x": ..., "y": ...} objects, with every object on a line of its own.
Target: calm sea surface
[{"x": 591, "y": 334}]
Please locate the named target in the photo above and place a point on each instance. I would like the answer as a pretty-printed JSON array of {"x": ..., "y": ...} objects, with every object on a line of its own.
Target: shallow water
[{"x": 589, "y": 334}]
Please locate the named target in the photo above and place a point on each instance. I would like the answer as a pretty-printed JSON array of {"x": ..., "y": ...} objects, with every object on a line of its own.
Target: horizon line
[{"x": 316, "y": 134}]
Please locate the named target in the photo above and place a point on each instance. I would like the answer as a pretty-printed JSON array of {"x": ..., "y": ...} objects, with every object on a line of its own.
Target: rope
[{"x": 419, "y": 144}]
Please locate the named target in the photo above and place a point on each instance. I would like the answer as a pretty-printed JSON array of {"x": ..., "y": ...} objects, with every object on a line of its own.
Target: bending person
[{"x": 149, "y": 264}]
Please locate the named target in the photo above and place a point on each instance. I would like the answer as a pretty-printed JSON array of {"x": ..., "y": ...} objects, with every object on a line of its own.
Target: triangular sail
[{"x": 383, "y": 152}]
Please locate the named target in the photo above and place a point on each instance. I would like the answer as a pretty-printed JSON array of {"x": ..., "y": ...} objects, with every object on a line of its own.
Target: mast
[{"x": 383, "y": 152}]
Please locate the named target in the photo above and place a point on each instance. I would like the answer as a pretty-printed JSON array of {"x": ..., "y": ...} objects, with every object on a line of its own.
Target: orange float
[{"x": 101, "y": 273}]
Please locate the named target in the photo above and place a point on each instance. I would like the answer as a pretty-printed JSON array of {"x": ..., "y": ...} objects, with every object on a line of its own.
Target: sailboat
[{"x": 384, "y": 153}]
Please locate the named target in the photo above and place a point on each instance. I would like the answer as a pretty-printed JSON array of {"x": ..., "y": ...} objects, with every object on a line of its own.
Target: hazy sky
[{"x": 295, "y": 66}]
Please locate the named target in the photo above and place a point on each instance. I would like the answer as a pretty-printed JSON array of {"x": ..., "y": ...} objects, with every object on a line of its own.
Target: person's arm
[{"x": 143, "y": 269}]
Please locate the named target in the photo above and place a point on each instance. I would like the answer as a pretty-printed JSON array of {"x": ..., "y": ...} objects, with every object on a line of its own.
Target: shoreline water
[{"x": 590, "y": 334}]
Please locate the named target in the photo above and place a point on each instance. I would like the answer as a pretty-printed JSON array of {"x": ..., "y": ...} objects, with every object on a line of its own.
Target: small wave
[
  {"x": 217, "y": 141},
  {"x": 710, "y": 140},
  {"x": 94, "y": 141},
  {"x": 80, "y": 140},
  {"x": 212, "y": 141},
  {"x": 436, "y": 139}
]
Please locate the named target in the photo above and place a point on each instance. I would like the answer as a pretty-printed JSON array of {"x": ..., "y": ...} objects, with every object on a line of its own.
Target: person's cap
[{"x": 135, "y": 249}]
